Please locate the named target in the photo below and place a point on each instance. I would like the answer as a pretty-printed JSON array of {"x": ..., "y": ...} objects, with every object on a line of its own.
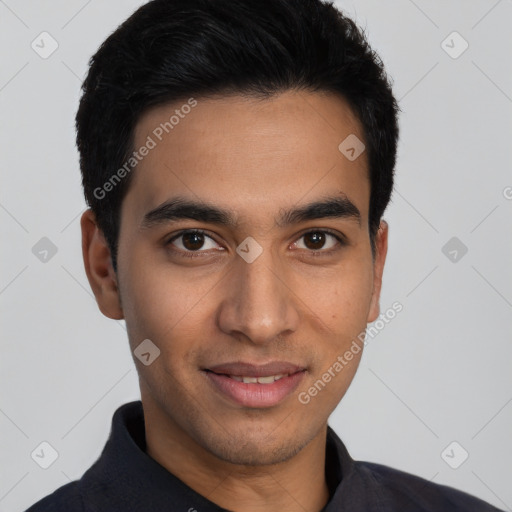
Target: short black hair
[{"x": 169, "y": 50}]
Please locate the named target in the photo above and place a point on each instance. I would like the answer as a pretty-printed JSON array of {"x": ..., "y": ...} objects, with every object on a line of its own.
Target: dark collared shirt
[{"x": 126, "y": 479}]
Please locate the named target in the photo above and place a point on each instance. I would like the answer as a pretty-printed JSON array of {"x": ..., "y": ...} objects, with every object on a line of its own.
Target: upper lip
[{"x": 254, "y": 370}]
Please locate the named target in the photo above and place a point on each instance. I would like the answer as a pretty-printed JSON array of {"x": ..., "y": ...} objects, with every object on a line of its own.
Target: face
[{"x": 268, "y": 272}]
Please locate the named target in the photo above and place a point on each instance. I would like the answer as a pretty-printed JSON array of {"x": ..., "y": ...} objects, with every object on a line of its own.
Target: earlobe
[
  {"x": 381, "y": 249},
  {"x": 98, "y": 267}
]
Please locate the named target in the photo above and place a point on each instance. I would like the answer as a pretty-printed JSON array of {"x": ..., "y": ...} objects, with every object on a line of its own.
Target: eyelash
[{"x": 195, "y": 254}]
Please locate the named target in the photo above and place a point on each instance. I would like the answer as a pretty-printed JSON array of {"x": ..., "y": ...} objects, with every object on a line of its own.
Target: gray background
[{"x": 437, "y": 373}]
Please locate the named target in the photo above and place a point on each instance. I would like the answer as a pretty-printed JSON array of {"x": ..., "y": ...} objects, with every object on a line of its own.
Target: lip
[
  {"x": 255, "y": 395},
  {"x": 253, "y": 370}
]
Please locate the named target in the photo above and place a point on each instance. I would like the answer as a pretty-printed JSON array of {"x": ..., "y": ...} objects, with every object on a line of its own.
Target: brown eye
[
  {"x": 193, "y": 241},
  {"x": 314, "y": 240},
  {"x": 321, "y": 241}
]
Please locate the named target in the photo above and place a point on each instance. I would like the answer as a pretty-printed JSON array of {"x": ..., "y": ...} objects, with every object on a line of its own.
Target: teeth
[
  {"x": 266, "y": 380},
  {"x": 259, "y": 380}
]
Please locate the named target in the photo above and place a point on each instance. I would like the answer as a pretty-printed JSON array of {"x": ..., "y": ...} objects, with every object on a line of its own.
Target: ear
[
  {"x": 98, "y": 267},
  {"x": 381, "y": 249}
]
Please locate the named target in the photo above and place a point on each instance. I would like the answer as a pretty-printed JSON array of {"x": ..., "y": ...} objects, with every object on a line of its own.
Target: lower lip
[{"x": 255, "y": 394}]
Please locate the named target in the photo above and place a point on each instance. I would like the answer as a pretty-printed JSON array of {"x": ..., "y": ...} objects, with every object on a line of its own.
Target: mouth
[
  {"x": 255, "y": 386},
  {"x": 259, "y": 380}
]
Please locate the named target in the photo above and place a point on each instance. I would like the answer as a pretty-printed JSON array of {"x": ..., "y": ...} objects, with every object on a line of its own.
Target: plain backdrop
[{"x": 434, "y": 385}]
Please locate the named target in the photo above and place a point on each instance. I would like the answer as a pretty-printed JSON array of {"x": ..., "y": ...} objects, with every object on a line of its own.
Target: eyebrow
[{"x": 178, "y": 208}]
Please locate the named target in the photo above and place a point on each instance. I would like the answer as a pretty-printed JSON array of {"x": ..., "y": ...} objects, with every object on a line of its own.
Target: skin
[{"x": 254, "y": 158}]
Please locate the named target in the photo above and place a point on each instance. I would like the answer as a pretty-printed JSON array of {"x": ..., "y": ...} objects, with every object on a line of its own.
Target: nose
[{"x": 258, "y": 302}]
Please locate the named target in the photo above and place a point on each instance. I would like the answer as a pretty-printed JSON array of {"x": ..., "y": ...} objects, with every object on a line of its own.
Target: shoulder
[
  {"x": 67, "y": 498},
  {"x": 410, "y": 492}
]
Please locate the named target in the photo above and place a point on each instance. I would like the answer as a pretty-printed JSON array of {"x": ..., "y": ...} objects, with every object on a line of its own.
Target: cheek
[
  {"x": 349, "y": 307},
  {"x": 340, "y": 298},
  {"x": 158, "y": 303},
  {"x": 171, "y": 313}
]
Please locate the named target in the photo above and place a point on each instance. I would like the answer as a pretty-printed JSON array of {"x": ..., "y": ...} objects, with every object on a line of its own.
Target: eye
[
  {"x": 319, "y": 240},
  {"x": 193, "y": 241}
]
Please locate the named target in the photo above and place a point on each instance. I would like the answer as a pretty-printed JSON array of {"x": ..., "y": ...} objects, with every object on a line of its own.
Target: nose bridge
[{"x": 260, "y": 305}]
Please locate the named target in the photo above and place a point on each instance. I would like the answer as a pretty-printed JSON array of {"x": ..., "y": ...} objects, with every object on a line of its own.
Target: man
[{"x": 237, "y": 157}]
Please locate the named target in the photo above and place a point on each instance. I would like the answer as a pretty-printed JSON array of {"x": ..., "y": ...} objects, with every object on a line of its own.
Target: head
[{"x": 229, "y": 118}]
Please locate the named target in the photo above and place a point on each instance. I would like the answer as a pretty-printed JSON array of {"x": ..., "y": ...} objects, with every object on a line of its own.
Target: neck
[{"x": 294, "y": 485}]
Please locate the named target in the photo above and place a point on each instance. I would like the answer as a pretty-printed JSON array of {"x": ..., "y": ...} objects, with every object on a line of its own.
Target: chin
[
  {"x": 255, "y": 453},
  {"x": 254, "y": 449}
]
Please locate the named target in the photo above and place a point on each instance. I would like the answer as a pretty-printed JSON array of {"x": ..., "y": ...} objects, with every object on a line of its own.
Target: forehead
[{"x": 248, "y": 155}]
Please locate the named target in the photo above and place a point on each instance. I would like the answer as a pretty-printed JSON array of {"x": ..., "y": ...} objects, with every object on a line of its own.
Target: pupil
[
  {"x": 317, "y": 239},
  {"x": 193, "y": 241}
]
